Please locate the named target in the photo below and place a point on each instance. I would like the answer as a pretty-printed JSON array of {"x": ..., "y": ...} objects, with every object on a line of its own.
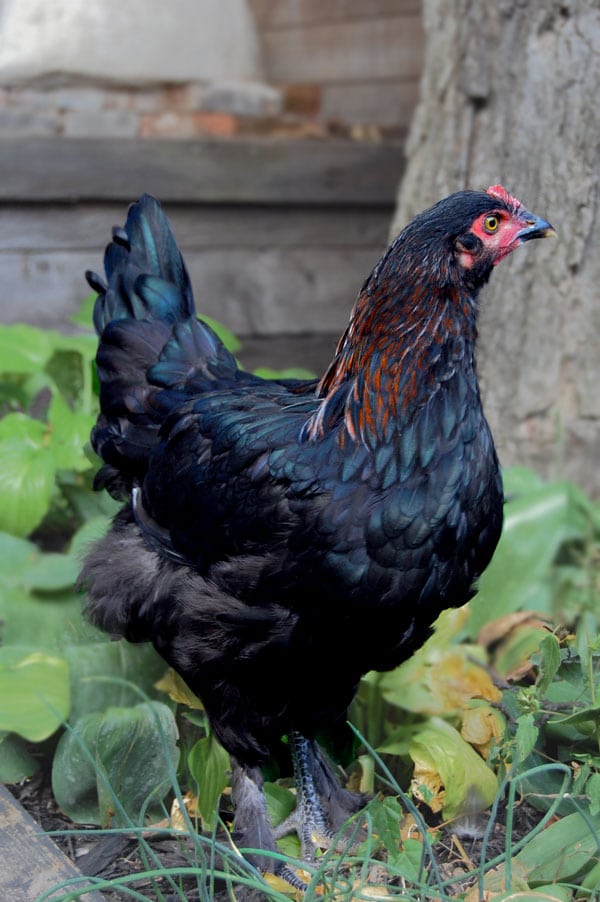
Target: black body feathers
[{"x": 281, "y": 538}]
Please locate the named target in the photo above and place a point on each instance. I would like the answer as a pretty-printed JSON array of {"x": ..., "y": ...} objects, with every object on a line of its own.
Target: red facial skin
[{"x": 501, "y": 240}]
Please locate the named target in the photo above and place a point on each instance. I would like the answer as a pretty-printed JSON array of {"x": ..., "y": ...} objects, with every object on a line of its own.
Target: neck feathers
[{"x": 406, "y": 338}]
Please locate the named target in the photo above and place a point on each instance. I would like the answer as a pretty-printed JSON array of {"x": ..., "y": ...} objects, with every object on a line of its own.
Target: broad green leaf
[
  {"x": 27, "y": 471},
  {"x": 113, "y": 767},
  {"x": 87, "y": 535},
  {"x": 69, "y": 433},
  {"x": 16, "y": 761},
  {"x": 16, "y": 557},
  {"x": 34, "y": 692},
  {"x": 45, "y": 622},
  {"x": 280, "y": 802},
  {"x": 454, "y": 777},
  {"x": 84, "y": 315},
  {"x": 561, "y": 851},
  {"x": 592, "y": 788},
  {"x": 51, "y": 572},
  {"x": 542, "y": 894},
  {"x": 208, "y": 763},
  {"x": 24, "y": 349},
  {"x": 536, "y": 524},
  {"x": 105, "y": 673},
  {"x": 293, "y": 372}
]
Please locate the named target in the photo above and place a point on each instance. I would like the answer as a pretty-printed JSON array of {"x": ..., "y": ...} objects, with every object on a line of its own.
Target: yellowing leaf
[
  {"x": 457, "y": 680},
  {"x": 282, "y": 886},
  {"x": 178, "y": 690},
  {"x": 481, "y": 725},
  {"x": 449, "y": 775},
  {"x": 439, "y": 681}
]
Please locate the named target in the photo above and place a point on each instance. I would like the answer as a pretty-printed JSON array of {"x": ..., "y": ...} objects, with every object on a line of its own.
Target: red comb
[{"x": 502, "y": 194}]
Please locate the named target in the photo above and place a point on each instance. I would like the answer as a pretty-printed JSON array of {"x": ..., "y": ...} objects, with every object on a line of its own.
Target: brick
[
  {"x": 302, "y": 99},
  {"x": 187, "y": 125}
]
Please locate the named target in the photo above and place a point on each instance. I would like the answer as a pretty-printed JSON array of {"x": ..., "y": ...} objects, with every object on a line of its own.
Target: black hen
[{"x": 281, "y": 538}]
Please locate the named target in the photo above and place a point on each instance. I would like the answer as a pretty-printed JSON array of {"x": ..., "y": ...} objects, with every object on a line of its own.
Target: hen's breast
[{"x": 401, "y": 529}]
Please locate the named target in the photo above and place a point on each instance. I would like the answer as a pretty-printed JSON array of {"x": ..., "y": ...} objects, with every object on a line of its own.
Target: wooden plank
[
  {"x": 253, "y": 291},
  {"x": 44, "y": 228},
  {"x": 383, "y": 103},
  {"x": 31, "y": 864},
  {"x": 370, "y": 49},
  {"x": 241, "y": 171},
  {"x": 291, "y": 13}
]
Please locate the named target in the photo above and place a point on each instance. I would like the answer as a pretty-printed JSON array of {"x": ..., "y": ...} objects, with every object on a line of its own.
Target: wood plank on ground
[{"x": 30, "y": 863}]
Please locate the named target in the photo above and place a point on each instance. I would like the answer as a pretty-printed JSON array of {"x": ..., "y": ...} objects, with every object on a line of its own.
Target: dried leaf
[{"x": 501, "y": 628}]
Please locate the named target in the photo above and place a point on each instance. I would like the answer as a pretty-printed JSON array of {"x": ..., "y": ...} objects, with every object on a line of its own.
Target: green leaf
[
  {"x": 16, "y": 762},
  {"x": 44, "y": 622},
  {"x": 441, "y": 754},
  {"x": 27, "y": 470},
  {"x": 110, "y": 765},
  {"x": 34, "y": 692},
  {"x": 592, "y": 788},
  {"x": 280, "y": 802},
  {"x": 549, "y": 663},
  {"x": 208, "y": 763},
  {"x": 24, "y": 349},
  {"x": 561, "y": 851},
  {"x": 51, "y": 572},
  {"x": 69, "y": 433},
  {"x": 526, "y": 736},
  {"x": 105, "y": 674},
  {"x": 536, "y": 524},
  {"x": 17, "y": 555},
  {"x": 84, "y": 316},
  {"x": 292, "y": 372}
]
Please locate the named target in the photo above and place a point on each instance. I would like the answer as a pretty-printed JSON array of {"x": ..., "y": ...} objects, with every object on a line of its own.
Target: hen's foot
[
  {"x": 252, "y": 828},
  {"x": 323, "y": 805}
]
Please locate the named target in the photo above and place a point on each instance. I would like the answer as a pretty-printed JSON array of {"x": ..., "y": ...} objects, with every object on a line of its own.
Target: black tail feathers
[
  {"x": 153, "y": 352},
  {"x": 146, "y": 274}
]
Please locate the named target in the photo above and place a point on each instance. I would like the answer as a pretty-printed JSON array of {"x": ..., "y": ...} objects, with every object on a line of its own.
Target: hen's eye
[{"x": 491, "y": 223}]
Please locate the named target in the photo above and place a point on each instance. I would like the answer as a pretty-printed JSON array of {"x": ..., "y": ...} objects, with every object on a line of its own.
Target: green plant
[{"x": 501, "y": 702}]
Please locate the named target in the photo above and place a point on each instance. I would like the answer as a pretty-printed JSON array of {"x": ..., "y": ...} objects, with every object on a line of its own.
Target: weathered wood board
[
  {"x": 278, "y": 236},
  {"x": 275, "y": 172},
  {"x": 30, "y": 863}
]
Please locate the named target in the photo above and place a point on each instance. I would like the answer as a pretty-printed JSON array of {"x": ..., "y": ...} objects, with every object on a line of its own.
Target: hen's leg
[
  {"x": 252, "y": 829},
  {"x": 338, "y": 803},
  {"x": 323, "y": 805}
]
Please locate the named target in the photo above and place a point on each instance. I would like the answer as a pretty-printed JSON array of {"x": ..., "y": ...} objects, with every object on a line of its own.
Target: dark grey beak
[{"x": 535, "y": 227}]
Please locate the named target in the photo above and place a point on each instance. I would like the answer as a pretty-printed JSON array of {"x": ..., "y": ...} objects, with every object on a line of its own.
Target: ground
[{"x": 111, "y": 856}]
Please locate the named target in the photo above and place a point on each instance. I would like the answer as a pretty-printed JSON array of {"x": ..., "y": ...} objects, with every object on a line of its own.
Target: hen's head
[{"x": 468, "y": 233}]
